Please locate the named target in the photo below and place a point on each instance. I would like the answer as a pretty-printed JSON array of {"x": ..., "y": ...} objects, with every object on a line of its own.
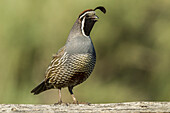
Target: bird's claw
[
  {"x": 58, "y": 103},
  {"x": 75, "y": 102}
]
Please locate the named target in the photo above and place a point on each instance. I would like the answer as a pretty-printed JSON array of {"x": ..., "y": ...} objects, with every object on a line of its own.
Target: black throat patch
[{"x": 88, "y": 25}]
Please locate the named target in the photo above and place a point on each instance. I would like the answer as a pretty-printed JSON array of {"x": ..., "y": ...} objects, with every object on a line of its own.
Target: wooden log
[{"x": 98, "y": 108}]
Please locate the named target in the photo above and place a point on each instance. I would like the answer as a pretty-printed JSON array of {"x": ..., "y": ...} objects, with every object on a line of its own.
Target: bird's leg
[
  {"x": 59, "y": 94},
  {"x": 72, "y": 95}
]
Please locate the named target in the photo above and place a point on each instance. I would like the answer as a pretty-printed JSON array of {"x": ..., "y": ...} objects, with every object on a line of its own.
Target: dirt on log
[{"x": 85, "y": 108}]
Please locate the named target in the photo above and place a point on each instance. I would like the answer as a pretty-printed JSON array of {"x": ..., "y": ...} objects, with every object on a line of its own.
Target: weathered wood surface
[{"x": 104, "y": 108}]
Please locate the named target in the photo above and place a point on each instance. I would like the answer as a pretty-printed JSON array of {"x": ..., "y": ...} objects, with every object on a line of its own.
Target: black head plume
[{"x": 101, "y": 9}]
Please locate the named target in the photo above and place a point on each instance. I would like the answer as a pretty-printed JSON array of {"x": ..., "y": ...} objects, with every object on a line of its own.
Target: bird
[{"x": 75, "y": 61}]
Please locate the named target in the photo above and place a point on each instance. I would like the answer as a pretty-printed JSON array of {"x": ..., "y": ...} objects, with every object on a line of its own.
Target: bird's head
[{"x": 88, "y": 18}]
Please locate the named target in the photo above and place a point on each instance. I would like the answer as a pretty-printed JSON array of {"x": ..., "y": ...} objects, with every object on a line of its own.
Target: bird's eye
[{"x": 87, "y": 16}]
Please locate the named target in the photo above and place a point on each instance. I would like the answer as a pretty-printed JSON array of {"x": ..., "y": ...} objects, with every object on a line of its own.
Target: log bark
[{"x": 86, "y": 108}]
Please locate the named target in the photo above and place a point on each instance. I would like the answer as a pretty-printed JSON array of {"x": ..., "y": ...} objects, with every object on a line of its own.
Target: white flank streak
[
  {"x": 52, "y": 61},
  {"x": 62, "y": 60}
]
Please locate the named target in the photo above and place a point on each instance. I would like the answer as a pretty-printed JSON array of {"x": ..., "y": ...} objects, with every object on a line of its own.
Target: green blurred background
[{"x": 132, "y": 42}]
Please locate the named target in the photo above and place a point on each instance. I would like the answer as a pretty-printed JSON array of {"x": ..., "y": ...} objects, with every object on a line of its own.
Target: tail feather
[{"x": 40, "y": 88}]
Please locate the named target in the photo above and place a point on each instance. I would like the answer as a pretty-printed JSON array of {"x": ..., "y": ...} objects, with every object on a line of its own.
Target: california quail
[{"x": 74, "y": 62}]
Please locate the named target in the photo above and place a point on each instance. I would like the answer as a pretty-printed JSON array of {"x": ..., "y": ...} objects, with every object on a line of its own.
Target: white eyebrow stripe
[{"x": 87, "y": 13}]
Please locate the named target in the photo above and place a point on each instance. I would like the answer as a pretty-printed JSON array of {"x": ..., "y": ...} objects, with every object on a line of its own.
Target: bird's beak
[{"x": 95, "y": 17}]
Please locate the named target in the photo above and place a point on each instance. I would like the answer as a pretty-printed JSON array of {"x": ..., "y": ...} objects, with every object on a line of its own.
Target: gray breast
[{"x": 80, "y": 45}]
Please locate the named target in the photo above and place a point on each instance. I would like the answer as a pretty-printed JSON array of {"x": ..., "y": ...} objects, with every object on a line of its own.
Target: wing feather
[{"x": 56, "y": 63}]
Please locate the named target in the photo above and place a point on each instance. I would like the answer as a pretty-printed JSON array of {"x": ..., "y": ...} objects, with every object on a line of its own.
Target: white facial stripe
[
  {"x": 82, "y": 27},
  {"x": 87, "y": 13},
  {"x": 83, "y": 22}
]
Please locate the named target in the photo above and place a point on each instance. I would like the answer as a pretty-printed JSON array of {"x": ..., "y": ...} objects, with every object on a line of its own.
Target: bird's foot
[
  {"x": 87, "y": 103},
  {"x": 76, "y": 102},
  {"x": 58, "y": 103},
  {"x": 61, "y": 103}
]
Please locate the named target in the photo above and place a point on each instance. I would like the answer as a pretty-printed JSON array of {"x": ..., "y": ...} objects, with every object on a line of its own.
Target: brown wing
[{"x": 55, "y": 64}]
